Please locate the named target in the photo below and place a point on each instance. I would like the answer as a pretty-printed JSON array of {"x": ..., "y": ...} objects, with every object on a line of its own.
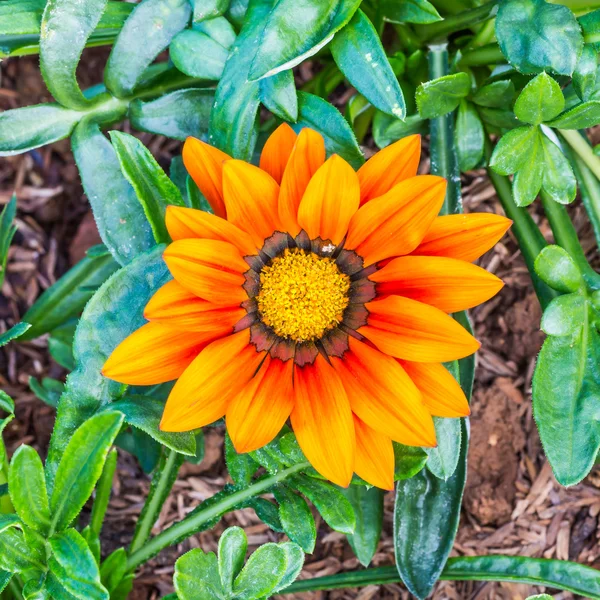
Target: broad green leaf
[
  {"x": 153, "y": 188},
  {"x": 264, "y": 570},
  {"x": 9, "y": 520},
  {"x": 160, "y": 21},
  {"x": 177, "y": 115},
  {"x": 73, "y": 564},
  {"x": 443, "y": 459},
  {"x": 513, "y": 150},
  {"x": 297, "y": 29},
  {"x": 368, "y": 508},
  {"x": 15, "y": 554},
  {"x": 145, "y": 413},
  {"x": 555, "y": 267},
  {"x": 16, "y": 331},
  {"x": 358, "y": 52},
  {"x": 296, "y": 519},
  {"x": 267, "y": 512},
  {"x": 120, "y": 217},
  {"x": 197, "y": 576},
  {"x": 528, "y": 180},
  {"x": 469, "y": 136},
  {"x": 426, "y": 518},
  {"x": 442, "y": 95},
  {"x": 5, "y": 577},
  {"x": 209, "y": 9},
  {"x": 498, "y": 94},
  {"x": 564, "y": 315},
  {"x": 316, "y": 113},
  {"x": 584, "y": 76},
  {"x": 387, "y": 130},
  {"x": 196, "y": 54},
  {"x": 409, "y": 11},
  {"x": 219, "y": 29},
  {"x": 537, "y": 36},
  {"x": 81, "y": 466},
  {"x": 241, "y": 467},
  {"x": 559, "y": 181},
  {"x": 541, "y": 100},
  {"x": 408, "y": 460},
  {"x": 499, "y": 118},
  {"x": 581, "y": 116},
  {"x": 278, "y": 94},
  {"x": 56, "y": 589},
  {"x": 28, "y": 489},
  {"x": 295, "y": 560},
  {"x": 66, "y": 27},
  {"x": 66, "y": 298},
  {"x": 590, "y": 25},
  {"x": 6, "y": 403},
  {"x": 232, "y": 554}
]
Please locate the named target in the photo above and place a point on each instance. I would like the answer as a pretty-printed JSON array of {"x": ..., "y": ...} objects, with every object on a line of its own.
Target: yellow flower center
[{"x": 302, "y": 295}]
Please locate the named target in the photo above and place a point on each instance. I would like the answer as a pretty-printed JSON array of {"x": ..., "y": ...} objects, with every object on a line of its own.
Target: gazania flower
[{"x": 317, "y": 294}]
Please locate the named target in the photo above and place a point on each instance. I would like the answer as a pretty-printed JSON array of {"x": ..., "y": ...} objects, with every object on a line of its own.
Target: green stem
[
  {"x": 582, "y": 149},
  {"x": 484, "y": 36},
  {"x": 566, "y": 237},
  {"x": 103, "y": 489},
  {"x": 190, "y": 524},
  {"x": 490, "y": 54},
  {"x": 6, "y": 506},
  {"x": 13, "y": 586}
]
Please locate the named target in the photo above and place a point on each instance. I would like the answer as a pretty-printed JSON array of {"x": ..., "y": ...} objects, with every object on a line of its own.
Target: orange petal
[
  {"x": 322, "y": 421},
  {"x": 155, "y": 353},
  {"x": 374, "y": 456},
  {"x": 176, "y": 306},
  {"x": 217, "y": 374},
  {"x": 277, "y": 150},
  {"x": 383, "y": 395},
  {"x": 446, "y": 283},
  {"x": 331, "y": 198},
  {"x": 441, "y": 393},
  {"x": 251, "y": 199},
  {"x": 465, "y": 237},
  {"x": 204, "y": 163},
  {"x": 184, "y": 223},
  {"x": 257, "y": 414},
  {"x": 211, "y": 269},
  {"x": 394, "y": 224},
  {"x": 388, "y": 167},
  {"x": 408, "y": 329},
  {"x": 306, "y": 158}
]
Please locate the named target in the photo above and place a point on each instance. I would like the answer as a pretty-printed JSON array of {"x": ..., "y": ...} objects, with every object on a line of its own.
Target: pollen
[{"x": 302, "y": 295}]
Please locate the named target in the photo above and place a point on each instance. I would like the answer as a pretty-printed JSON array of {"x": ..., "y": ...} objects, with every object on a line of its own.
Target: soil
[{"x": 512, "y": 504}]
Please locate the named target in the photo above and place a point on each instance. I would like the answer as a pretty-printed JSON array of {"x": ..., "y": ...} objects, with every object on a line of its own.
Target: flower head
[{"x": 314, "y": 293}]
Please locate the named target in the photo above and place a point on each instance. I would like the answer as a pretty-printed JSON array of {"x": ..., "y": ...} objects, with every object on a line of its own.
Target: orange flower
[{"x": 318, "y": 294}]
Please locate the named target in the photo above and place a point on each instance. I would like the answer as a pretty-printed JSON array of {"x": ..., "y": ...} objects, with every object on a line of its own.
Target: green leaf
[
  {"x": 196, "y": 54},
  {"x": 584, "y": 76},
  {"x": 469, "y": 136},
  {"x": 28, "y": 489},
  {"x": 219, "y": 29},
  {"x": 66, "y": 27},
  {"x": 409, "y": 11},
  {"x": 197, "y": 576},
  {"x": 443, "y": 459},
  {"x": 153, "y": 188},
  {"x": 581, "y": 116},
  {"x": 498, "y": 94},
  {"x": 559, "y": 180},
  {"x": 6, "y": 403},
  {"x": 261, "y": 574},
  {"x": 9, "y": 520},
  {"x": 113, "y": 569},
  {"x": 555, "y": 267},
  {"x": 537, "y": 36},
  {"x": 209, "y": 9},
  {"x": 237, "y": 11},
  {"x": 296, "y": 519},
  {"x": 321, "y": 116},
  {"x": 232, "y": 554},
  {"x": 528, "y": 180},
  {"x": 7, "y": 233},
  {"x": 73, "y": 564},
  {"x": 442, "y": 95},
  {"x": 513, "y": 150},
  {"x": 103, "y": 491},
  {"x": 368, "y": 508},
  {"x": 278, "y": 94},
  {"x": 564, "y": 315},
  {"x": 387, "y": 130},
  {"x": 60, "y": 344},
  {"x": 16, "y": 331},
  {"x": 241, "y": 467},
  {"x": 5, "y": 577},
  {"x": 358, "y": 52},
  {"x": 426, "y": 516},
  {"x": 295, "y": 560},
  {"x": 120, "y": 217},
  {"x": 48, "y": 391},
  {"x": 408, "y": 460},
  {"x": 177, "y": 115},
  {"x": 160, "y": 21},
  {"x": 496, "y": 117},
  {"x": 541, "y": 100},
  {"x": 81, "y": 466},
  {"x": 590, "y": 25},
  {"x": 15, "y": 554},
  {"x": 296, "y": 30}
]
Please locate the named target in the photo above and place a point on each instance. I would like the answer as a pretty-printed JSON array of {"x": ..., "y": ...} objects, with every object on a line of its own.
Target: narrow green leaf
[
  {"x": 296, "y": 519},
  {"x": 295, "y": 560},
  {"x": 528, "y": 180},
  {"x": 409, "y": 11},
  {"x": 5, "y": 577},
  {"x": 264, "y": 570},
  {"x": 581, "y": 116},
  {"x": 7, "y": 233},
  {"x": 278, "y": 94},
  {"x": 197, "y": 576},
  {"x": 6, "y": 403},
  {"x": 443, "y": 459},
  {"x": 16, "y": 331},
  {"x": 103, "y": 491},
  {"x": 541, "y": 100},
  {"x": 232, "y": 554},
  {"x": 469, "y": 136},
  {"x": 241, "y": 467},
  {"x": 196, "y": 54},
  {"x": 48, "y": 390},
  {"x": 442, "y": 95}
]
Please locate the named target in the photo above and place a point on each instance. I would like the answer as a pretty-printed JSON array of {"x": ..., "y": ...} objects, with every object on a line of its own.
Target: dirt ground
[{"x": 512, "y": 503}]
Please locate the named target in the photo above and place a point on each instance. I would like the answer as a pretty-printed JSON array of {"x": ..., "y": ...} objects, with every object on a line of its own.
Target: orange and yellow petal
[
  {"x": 257, "y": 414},
  {"x": 394, "y": 224},
  {"x": 276, "y": 151},
  {"x": 322, "y": 421},
  {"x": 374, "y": 456},
  {"x": 215, "y": 376},
  {"x": 251, "y": 199},
  {"x": 211, "y": 269},
  {"x": 465, "y": 237},
  {"x": 441, "y": 393},
  {"x": 388, "y": 167},
  {"x": 204, "y": 163},
  {"x": 155, "y": 353},
  {"x": 306, "y": 158},
  {"x": 382, "y": 395},
  {"x": 176, "y": 306},
  {"x": 185, "y": 223},
  {"x": 446, "y": 283},
  {"x": 414, "y": 331},
  {"x": 330, "y": 200}
]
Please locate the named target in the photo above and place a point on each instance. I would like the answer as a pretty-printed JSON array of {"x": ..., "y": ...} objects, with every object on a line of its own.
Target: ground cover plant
[{"x": 273, "y": 285}]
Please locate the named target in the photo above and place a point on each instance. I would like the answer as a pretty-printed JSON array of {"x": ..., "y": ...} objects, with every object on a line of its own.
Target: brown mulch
[{"x": 512, "y": 504}]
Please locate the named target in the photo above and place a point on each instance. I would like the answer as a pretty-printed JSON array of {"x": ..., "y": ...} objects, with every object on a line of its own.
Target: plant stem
[
  {"x": 490, "y": 54},
  {"x": 583, "y": 149},
  {"x": 6, "y": 506},
  {"x": 484, "y": 35},
  {"x": 566, "y": 237},
  {"x": 189, "y": 525},
  {"x": 103, "y": 489}
]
